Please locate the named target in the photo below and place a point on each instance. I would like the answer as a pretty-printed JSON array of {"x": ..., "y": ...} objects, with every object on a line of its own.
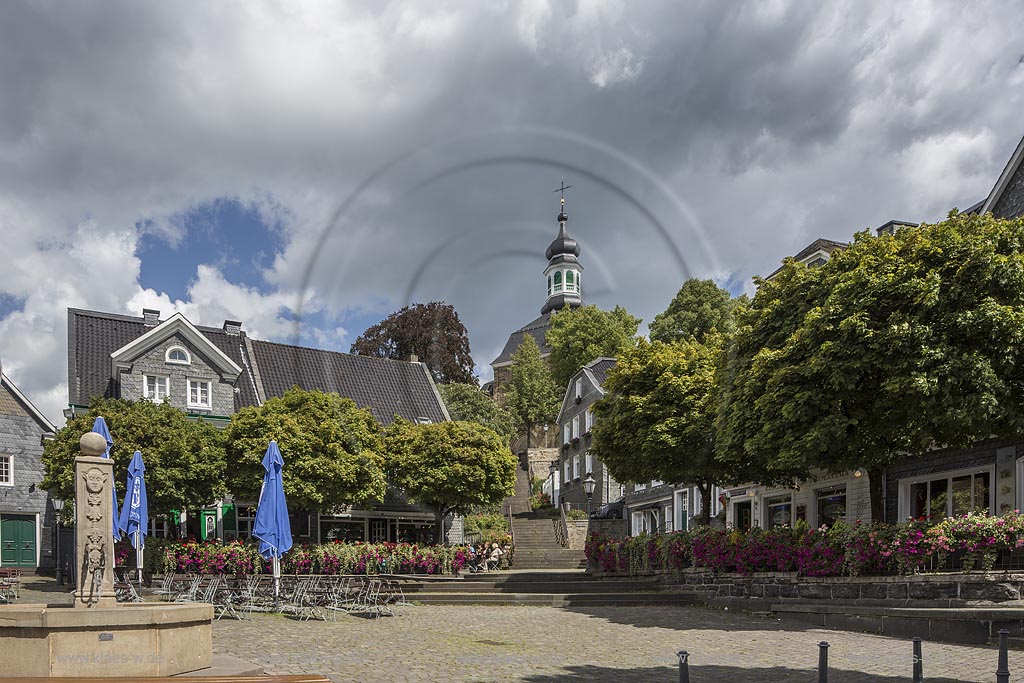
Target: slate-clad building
[
  {"x": 26, "y": 517},
  {"x": 575, "y": 420},
  {"x": 210, "y": 373}
]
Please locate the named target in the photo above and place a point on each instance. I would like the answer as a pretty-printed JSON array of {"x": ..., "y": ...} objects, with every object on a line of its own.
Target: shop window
[
  {"x": 831, "y": 505},
  {"x": 778, "y": 511},
  {"x": 939, "y": 497}
]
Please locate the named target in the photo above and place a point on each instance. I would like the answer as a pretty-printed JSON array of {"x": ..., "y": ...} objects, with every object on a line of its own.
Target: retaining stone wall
[
  {"x": 992, "y": 587},
  {"x": 579, "y": 530}
]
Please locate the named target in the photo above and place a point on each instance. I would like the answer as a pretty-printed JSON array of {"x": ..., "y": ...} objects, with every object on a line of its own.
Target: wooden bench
[{"x": 302, "y": 678}]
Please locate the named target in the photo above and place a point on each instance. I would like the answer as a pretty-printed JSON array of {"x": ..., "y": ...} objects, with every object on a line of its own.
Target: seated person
[{"x": 494, "y": 559}]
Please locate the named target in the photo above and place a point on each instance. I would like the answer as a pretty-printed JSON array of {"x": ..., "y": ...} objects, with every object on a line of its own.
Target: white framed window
[
  {"x": 589, "y": 463},
  {"x": 178, "y": 355},
  {"x": 566, "y": 476},
  {"x": 566, "y": 429},
  {"x": 579, "y": 389},
  {"x": 6, "y": 469},
  {"x": 656, "y": 482},
  {"x": 575, "y": 467},
  {"x": 575, "y": 426},
  {"x": 639, "y": 487},
  {"x": 588, "y": 421},
  {"x": 199, "y": 391},
  {"x": 947, "y": 494},
  {"x": 423, "y": 421},
  {"x": 156, "y": 387}
]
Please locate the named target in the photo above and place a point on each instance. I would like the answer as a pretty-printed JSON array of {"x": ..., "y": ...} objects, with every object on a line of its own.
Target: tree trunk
[
  {"x": 439, "y": 526},
  {"x": 705, "y": 503},
  {"x": 875, "y": 477}
]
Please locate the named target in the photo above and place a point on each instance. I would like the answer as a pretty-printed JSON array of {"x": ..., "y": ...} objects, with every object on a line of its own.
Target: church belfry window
[
  {"x": 558, "y": 281},
  {"x": 549, "y": 285},
  {"x": 570, "y": 285}
]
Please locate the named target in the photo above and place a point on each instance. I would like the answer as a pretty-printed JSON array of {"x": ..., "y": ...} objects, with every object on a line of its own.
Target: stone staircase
[
  {"x": 542, "y": 588},
  {"x": 536, "y": 546}
]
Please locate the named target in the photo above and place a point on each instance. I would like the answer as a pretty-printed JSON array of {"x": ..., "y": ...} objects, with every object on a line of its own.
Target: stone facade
[
  {"x": 154, "y": 362},
  {"x": 21, "y": 437},
  {"x": 577, "y": 531}
]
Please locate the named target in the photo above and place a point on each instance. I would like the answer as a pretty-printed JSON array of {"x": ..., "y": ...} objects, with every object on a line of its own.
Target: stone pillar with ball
[{"x": 94, "y": 515}]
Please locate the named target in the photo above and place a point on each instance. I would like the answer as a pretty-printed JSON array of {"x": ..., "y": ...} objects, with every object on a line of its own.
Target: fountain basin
[{"x": 136, "y": 639}]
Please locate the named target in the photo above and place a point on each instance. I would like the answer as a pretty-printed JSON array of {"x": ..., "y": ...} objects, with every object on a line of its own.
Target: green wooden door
[{"x": 18, "y": 541}]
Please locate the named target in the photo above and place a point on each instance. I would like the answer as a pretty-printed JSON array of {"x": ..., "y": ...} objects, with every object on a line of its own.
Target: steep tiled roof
[
  {"x": 820, "y": 244},
  {"x": 386, "y": 387},
  {"x": 93, "y": 336},
  {"x": 600, "y": 367},
  {"x": 537, "y": 329}
]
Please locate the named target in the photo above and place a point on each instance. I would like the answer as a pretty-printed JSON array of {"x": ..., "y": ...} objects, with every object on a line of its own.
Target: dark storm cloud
[{"x": 702, "y": 139}]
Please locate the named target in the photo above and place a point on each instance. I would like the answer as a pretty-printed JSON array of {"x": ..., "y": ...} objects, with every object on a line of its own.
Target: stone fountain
[{"x": 96, "y": 636}]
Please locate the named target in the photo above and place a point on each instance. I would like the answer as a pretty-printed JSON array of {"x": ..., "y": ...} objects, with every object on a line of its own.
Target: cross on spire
[{"x": 562, "y": 188}]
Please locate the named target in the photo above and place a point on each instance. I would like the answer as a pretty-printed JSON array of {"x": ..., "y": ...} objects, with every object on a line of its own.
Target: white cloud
[{"x": 774, "y": 123}]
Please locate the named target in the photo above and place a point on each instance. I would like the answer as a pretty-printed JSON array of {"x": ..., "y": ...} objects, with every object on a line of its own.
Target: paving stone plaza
[
  {"x": 599, "y": 644},
  {"x": 464, "y": 644}
]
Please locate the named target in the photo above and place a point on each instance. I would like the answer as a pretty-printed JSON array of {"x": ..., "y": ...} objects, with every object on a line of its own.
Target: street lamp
[
  {"x": 588, "y": 488},
  {"x": 552, "y": 470},
  {"x": 58, "y": 505}
]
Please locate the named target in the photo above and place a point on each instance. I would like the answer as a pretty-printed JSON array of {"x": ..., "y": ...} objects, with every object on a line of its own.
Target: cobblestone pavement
[
  {"x": 600, "y": 644},
  {"x": 597, "y": 644}
]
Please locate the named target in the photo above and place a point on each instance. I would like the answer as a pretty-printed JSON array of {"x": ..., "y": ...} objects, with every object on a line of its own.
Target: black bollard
[
  {"x": 1003, "y": 670},
  {"x": 823, "y": 662},
  {"x": 918, "y": 662},
  {"x": 684, "y": 666}
]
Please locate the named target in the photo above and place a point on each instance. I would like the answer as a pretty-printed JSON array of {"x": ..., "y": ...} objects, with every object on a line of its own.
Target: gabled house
[
  {"x": 575, "y": 420},
  {"x": 210, "y": 373},
  {"x": 26, "y": 517}
]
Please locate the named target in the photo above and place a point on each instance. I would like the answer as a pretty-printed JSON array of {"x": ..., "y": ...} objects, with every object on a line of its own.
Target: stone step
[
  {"x": 554, "y": 599},
  {"x": 554, "y": 587}
]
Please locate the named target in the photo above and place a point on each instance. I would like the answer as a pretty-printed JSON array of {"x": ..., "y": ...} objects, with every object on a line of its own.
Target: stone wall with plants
[{"x": 970, "y": 542}]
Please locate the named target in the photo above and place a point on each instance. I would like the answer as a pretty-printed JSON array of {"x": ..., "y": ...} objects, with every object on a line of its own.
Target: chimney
[
  {"x": 232, "y": 327},
  {"x": 413, "y": 358},
  {"x": 150, "y": 317}
]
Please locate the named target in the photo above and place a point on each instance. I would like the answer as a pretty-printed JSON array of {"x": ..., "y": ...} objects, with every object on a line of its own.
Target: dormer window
[{"x": 178, "y": 356}]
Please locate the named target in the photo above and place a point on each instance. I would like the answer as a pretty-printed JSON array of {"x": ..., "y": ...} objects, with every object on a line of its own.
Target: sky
[{"x": 309, "y": 167}]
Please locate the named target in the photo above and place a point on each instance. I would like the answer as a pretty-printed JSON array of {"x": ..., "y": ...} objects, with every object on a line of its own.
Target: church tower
[{"x": 564, "y": 270}]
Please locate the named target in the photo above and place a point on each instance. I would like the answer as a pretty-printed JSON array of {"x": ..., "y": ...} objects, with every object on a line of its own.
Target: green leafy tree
[
  {"x": 895, "y": 344},
  {"x": 431, "y": 331},
  {"x": 532, "y": 395},
  {"x": 185, "y": 459},
  {"x": 450, "y": 466},
  {"x": 579, "y": 335},
  {"x": 332, "y": 450},
  {"x": 699, "y": 308},
  {"x": 657, "y": 418},
  {"x": 468, "y": 403}
]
